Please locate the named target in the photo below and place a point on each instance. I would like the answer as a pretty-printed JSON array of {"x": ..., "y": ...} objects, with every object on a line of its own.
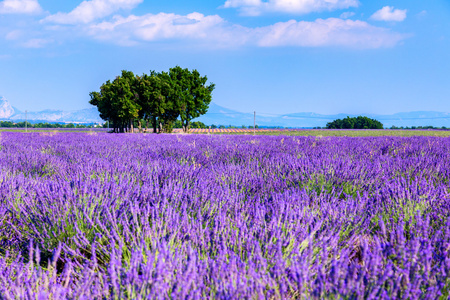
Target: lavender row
[{"x": 227, "y": 217}]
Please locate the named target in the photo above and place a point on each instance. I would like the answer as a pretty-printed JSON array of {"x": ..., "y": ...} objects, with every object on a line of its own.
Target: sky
[{"x": 269, "y": 56}]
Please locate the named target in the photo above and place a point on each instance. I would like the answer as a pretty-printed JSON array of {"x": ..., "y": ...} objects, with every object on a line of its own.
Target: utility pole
[
  {"x": 254, "y": 122},
  {"x": 26, "y": 120}
]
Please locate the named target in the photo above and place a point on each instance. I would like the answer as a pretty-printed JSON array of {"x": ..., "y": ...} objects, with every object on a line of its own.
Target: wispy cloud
[
  {"x": 258, "y": 7},
  {"x": 89, "y": 11},
  {"x": 422, "y": 14},
  {"x": 388, "y": 13},
  {"x": 36, "y": 43},
  {"x": 20, "y": 7},
  {"x": 14, "y": 35},
  {"x": 347, "y": 14},
  {"x": 216, "y": 32}
]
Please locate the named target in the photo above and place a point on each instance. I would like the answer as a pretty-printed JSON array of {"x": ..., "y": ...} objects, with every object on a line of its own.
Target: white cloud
[
  {"x": 89, "y": 11},
  {"x": 20, "y": 7},
  {"x": 329, "y": 32},
  {"x": 257, "y": 7},
  {"x": 162, "y": 26},
  {"x": 216, "y": 32},
  {"x": 388, "y": 13}
]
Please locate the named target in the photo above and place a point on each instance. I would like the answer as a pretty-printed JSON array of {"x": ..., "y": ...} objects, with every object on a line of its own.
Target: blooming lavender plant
[{"x": 223, "y": 217}]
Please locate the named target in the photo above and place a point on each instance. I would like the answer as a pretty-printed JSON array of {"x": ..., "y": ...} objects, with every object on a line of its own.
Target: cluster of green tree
[
  {"x": 359, "y": 122},
  {"x": 158, "y": 99},
  {"x": 9, "y": 124},
  {"x": 418, "y": 127},
  {"x": 59, "y": 125}
]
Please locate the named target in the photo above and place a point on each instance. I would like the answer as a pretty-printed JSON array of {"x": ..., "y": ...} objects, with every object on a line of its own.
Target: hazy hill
[
  {"x": 8, "y": 112},
  {"x": 223, "y": 116},
  {"x": 89, "y": 115}
]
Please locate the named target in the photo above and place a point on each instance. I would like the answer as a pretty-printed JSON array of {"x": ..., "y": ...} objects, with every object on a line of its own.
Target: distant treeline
[
  {"x": 202, "y": 125},
  {"x": 419, "y": 127},
  {"x": 194, "y": 125},
  {"x": 9, "y": 124}
]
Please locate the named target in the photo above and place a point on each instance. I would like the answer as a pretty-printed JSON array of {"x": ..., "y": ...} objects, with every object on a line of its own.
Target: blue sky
[{"x": 273, "y": 56}]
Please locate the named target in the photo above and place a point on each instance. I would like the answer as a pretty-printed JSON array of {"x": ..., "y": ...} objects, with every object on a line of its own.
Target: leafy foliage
[
  {"x": 192, "y": 93},
  {"x": 359, "y": 122}
]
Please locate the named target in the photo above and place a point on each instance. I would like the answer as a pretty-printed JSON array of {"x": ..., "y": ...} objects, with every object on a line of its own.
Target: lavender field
[{"x": 99, "y": 216}]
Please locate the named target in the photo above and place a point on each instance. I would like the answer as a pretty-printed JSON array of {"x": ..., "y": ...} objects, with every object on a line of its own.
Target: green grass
[
  {"x": 297, "y": 132},
  {"x": 348, "y": 132},
  {"x": 45, "y": 130}
]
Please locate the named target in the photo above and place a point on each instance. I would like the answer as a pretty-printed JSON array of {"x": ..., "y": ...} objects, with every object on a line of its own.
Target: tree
[
  {"x": 198, "y": 124},
  {"x": 116, "y": 101},
  {"x": 125, "y": 106},
  {"x": 153, "y": 95},
  {"x": 172, "y": 103},
  {"x": 359, "y": 122},
  {"x": 191, "y": 94}
]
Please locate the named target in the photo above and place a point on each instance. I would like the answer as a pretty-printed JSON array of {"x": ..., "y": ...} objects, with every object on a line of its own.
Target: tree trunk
[
  {"x": 154, "y": 125},
  {"x": 131, "y": 126},
  {"x": 140, "y": 126},
  {"x": 183, "y": 125}
]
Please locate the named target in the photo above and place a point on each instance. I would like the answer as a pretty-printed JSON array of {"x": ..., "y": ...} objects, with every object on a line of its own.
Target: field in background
[
  {"x": 265, "y": 131},
  {"x": 322, "y": 132}
]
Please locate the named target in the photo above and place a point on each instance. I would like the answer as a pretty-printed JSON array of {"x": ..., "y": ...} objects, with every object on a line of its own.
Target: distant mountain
[
  {"x": 415, "y": 118},
  {"x": 223, "y": 116},
  {"x": 89, "y": 115},
  {"x": 219, "y": 115}
]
